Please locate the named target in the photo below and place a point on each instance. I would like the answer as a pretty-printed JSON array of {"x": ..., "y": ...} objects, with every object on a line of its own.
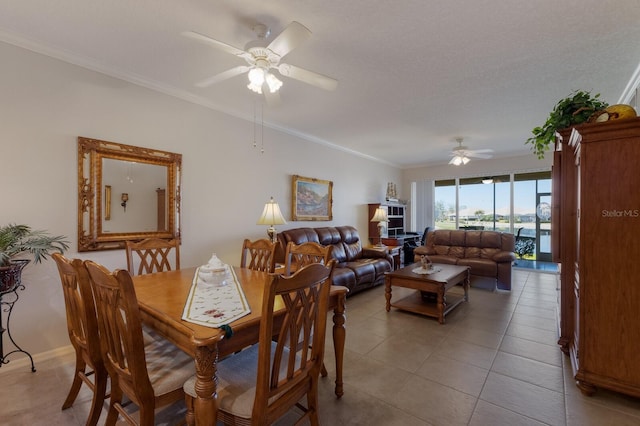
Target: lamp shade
[
  {"x": 380, "y": 215},
  {"x": 271, "y": 215}
]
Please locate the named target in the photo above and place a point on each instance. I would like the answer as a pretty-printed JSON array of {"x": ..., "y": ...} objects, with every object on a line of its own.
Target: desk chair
[
  {"x": 259, "y": 255},
  {"x": 150, "y": 375},
  {"x": 153, "y": 254},
  {"x": 260, "y": 384},
  {"x": 299, "y": 255},
  {"x": 82, "y": 325}
]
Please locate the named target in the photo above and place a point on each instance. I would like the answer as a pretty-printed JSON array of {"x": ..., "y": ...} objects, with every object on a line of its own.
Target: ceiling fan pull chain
[
  {"x": 254, "y": 125},
  {"x": 262, "y": 128}
]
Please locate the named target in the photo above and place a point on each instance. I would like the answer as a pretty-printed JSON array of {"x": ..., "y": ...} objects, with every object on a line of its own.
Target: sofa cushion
[
  {"x": 482, "y": 267},
  {"x": 344, "y": 276}
]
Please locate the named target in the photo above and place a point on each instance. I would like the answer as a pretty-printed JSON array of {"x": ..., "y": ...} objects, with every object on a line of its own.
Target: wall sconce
[{"x": 124, "y": 198}]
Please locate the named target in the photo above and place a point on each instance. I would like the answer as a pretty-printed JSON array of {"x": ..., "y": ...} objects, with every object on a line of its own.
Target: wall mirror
[{"x": 126, "y": 193}]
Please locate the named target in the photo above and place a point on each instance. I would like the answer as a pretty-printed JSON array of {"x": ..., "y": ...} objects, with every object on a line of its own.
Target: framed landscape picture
[{"x": 311, "y": 199}]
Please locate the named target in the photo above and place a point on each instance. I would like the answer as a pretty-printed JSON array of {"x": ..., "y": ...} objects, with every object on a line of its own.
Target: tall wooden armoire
[{"x": 596, "y": 175}]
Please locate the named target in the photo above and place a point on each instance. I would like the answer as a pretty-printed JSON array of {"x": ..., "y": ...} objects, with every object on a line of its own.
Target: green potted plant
[
  {"x": 18, "y": 240},
  {"x": 572, "y": 110}
]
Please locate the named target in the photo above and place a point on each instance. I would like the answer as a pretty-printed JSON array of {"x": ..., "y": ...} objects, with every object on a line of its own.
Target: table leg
[
  {"x": 387, "y": 291},
  {"x": 465, "y": 285},
  {"x": 441, "y": 304},
  {"x": 339, "y": 334},
  {"x": 206, "y": 404}
]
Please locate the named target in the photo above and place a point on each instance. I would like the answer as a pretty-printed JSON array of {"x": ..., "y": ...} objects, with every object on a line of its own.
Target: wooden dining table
[{"x": 162, "y": 297}]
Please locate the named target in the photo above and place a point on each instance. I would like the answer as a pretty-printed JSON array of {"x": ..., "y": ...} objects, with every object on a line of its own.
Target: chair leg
[
  {"x": 99, "y": 394},
  {"x": 77, "y": 383},
  {"x": 312, "y": 405},
  {"x": 323, "y": 371},
  {"x": 190, "y": 416},
  {"x": 116, "y": 397}
]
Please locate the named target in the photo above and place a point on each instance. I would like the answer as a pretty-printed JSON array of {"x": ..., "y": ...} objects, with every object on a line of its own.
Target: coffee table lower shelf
[{"x": 416, "y": 304}]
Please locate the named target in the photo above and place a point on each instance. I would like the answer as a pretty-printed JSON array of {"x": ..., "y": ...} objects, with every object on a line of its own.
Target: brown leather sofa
[
  {"x": 488, "y": 253},
  {"x": 357, "y": 267}
]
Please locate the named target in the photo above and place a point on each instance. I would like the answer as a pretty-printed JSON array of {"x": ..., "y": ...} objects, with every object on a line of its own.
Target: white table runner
[{"x": 215, "y": 305}]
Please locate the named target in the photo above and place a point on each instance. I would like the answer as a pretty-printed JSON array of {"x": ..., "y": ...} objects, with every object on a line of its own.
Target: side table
[{"x": 394, "y": 251}]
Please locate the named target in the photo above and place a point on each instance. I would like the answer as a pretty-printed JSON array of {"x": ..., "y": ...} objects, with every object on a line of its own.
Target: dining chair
[
  {"x": 82, "y": 325},
  {"x": 150, "y": 375},
  {"x": 259, "y": 255},
  {"x": 260, "y": 384},
  {"x": 299, "y": 255},
  {"x": 153, "y": 255}
]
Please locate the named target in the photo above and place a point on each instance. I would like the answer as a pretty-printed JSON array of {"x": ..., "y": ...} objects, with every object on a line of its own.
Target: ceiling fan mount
[{"x": 264, "y": 61}]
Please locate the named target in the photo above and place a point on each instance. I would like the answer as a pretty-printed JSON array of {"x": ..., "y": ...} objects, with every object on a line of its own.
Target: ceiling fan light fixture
[
  {"x": 273, "y": 82},
  {"x": 465, "y": 160}
]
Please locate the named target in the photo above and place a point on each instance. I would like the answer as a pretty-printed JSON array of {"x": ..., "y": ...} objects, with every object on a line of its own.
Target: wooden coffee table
[{"x": 438, "y": 283}]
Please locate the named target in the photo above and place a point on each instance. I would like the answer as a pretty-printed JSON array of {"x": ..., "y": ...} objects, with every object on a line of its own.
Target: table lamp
[
  {"x": 380, "y": 216},
  {"x": 271, "y": 216}
]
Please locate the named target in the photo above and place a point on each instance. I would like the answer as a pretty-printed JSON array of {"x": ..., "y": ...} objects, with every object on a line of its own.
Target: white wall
[{"x": 45, "y": 104}]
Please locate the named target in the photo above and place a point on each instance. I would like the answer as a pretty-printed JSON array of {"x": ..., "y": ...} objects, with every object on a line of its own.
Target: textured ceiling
[{"x": 413, "y": 75}]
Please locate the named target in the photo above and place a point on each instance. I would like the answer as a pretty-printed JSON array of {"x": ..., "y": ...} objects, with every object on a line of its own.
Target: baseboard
[{"x": 23, "y": 361}]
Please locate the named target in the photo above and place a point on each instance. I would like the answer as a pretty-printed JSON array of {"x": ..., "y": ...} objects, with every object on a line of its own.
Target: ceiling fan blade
[
  {"x": 482, "y": 151},
  {"x": 215, "y": 43},
  {"x": 479, "y": 155},
  {"x": 309, "y": 77},
  {"x": 289, "y": 38},
  {"x": 224, "y": 75}
]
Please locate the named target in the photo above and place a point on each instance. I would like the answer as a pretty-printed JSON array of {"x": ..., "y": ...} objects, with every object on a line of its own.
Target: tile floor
[{"x": 495, "y": 362}]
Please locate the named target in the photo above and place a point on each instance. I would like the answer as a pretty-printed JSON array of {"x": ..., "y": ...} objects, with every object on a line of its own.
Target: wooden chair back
[
  {"x": 298, "y": 255},
  {"x": 152, "y": 255},
  {"x": 284, "y": 375},
  {"x": 82, "y": 325},
  {"x": 127, "y": 354},
  {"x": 259, "y": 255}
]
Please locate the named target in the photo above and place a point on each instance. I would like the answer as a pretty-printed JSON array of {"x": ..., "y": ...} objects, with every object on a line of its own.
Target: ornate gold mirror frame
[{"x": 102, "y": 226}]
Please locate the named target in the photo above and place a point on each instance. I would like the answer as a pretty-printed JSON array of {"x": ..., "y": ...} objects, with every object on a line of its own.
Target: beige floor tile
[
  {"x": 458, "y": 375},
  {"x": 550, "y": 354},
  {"x": 548, "y": 337},
  {"x": 469, "y": 353},
  {"x": 529, "y": 400},
  {"x": 374, "y": 377},
  {"x": 529, "y": 370},
  {"x": 535, "y": 322},
  {"x": 358, "y": 408},
  {"x": 435, "y": 403},
  {"x": 487, "y": 414},
  {"x": 487, "y": 339},
  {"x": 407, "y": 352},
  {"x": 588, "y": 412}
]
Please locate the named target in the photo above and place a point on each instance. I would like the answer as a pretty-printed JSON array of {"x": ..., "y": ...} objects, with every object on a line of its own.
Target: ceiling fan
[
  {"x": 264, "y": 59},
  {"x": 462, "y": 155}
]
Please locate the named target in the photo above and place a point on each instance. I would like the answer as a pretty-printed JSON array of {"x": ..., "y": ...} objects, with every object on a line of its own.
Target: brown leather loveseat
[
  {"x": 357, "y": 267},
  {"x": 488, "y": 253}
]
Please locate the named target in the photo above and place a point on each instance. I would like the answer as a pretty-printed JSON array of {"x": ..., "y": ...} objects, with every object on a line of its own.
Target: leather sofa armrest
[
  {"x": 377, "y": 254},
  {"x": 369, "y": 252},
  {"x": 504, "y": 256},
  {"x": 422, "y": 250}
]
